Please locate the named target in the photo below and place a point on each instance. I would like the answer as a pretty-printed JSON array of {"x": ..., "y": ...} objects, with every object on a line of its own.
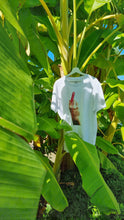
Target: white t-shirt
[{"x": 77, "y": 100}]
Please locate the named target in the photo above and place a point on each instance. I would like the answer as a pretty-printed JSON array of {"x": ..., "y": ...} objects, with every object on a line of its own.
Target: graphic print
[{"x": 73, "y": 107}]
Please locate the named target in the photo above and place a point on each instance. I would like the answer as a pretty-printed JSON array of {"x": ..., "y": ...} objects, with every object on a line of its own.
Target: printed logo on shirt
[{"x": 74, "y": 110}]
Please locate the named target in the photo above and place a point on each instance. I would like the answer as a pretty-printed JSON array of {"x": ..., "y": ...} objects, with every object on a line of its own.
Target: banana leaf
[
  {"x": 17, "y": 111},
  {"x": 116, "y": 83},
  {"x": 22, "y": 173},
  {"x": 34, "y": 3},
  {"x": 119, "y": 65},
  {"x": 10, "y": 14},
  {"x": 86, "y": 159},
  {"x": 122, "y": 133},
  {"x": 48, "y": 125},
  {"x": 89, "y": 44},
  {"x": 92, "y": 5},
  {"x": 21, "y": 178},
  {"x": 106, "y": 163},
  {"x": 28, "y": 23},
  {"x": 120, "y": 112},
  {"x": 106, "y": 146},
  {"x": 110, "y": 100},
  {"x": 51, "y": 190}
]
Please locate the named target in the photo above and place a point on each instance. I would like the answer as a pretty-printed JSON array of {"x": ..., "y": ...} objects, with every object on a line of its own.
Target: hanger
[{"x": 75, "y": 70}]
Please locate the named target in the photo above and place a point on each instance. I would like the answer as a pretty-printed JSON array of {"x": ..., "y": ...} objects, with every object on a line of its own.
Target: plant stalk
[
  {"x": 111, "y": 129},
  {"x": 59, "y": 155},
  {"x": 75, "y": 35},
  {"x": 61, "y": 43},
  {"x": 71, "y": 19},
  {"x": 65, "y": 33}
]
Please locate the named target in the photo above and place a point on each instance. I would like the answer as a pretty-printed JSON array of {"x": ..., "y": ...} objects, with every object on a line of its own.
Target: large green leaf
[
  {"x": 89, "y": 44},
  {"x": 64, "y": 125},
  {"x": 92, "y": 5},
  {"x": 16, "y": 89},
  {"x": 21, "y": 178},
  {"x": 28, "y": 23},
  {"x": 119, "y": 65},
  {"x": 86, "y": 159},
  {"x": 102, "y": 62},
  {"x": 120, "y": 20},
  {"x": 50, "y": 45},
  {"x": 110, "y": 100},
  {"x": 44, "y": 26},
  {"x": 116, "y": 83},
  {"x": 48, "y": 125},
  {"x": 51, "y": 190},
  {"x": 10, "y": 14},
  {"x": 34, "y": 3},
  {"x": 106, "y": 163},
  {"x": 106, "y": 146},
  {"x": 44, "y": 82},
  {"x": 113, "y": 38},
  {"x": 120, "y": 112},
  {"x": 122, "y": 132}
]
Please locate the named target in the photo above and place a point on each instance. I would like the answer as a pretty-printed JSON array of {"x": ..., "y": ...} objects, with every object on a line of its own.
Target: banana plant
[
  {"x": 24, "y": 174},
  {"x": 83, "y": 49},
  {"x": 87, "y": 34}
]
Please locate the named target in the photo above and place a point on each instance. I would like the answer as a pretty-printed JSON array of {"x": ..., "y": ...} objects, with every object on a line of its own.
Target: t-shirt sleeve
[
  {"x": 54, "y": 102},
  {"x": 99, "y": 101}
]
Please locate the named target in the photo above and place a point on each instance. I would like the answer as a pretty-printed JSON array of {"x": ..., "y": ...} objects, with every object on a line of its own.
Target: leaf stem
[
  {"x": 61, "y": 46},
  {"x": 65, "y": 33},
  {"x": 75, "y": 34},
  {"x": 59, "y": 155},
  {"x": 71, "y": 19},
  {"x": 111, "y": 129}
]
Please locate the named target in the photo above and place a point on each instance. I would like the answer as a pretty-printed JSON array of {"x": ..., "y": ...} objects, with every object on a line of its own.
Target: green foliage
[
  {"x": 32, "y": 3},
  {"x": 9, "y": 12},
  {"x": 22, "y": 177},
  {"x": 120, "y": 111},
  {"x": 106, "y": 146},
  {"x": 16, "y": 102},
  {"x": 37, "y": 49},
  {"x": 79, "y": 204},
  {"x": 27, "y": 76},
  {"x": 116, "y": 83},
  {"x": 49, "y": 183},
  {"x": 93, "y": 5},
  {"x": 90, "y": 43},
  {"x": 48, "y": 125},
  {"x": 23, "y": 173},
  {"x": 119, "y": 65},
  {"x": 92, "y": 180}
]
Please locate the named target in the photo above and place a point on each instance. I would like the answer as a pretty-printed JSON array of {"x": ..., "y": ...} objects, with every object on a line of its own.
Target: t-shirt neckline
[{"x": 78, "y": 80}]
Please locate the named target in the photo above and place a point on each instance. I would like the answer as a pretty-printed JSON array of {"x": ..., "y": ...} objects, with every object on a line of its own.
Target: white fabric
[{"x": 86, "y": 98}]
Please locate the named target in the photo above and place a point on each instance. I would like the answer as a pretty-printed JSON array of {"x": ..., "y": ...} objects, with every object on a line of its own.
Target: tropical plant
[
  {"x": 24, "y": 175},
  {"x": 87, "y": 34}
]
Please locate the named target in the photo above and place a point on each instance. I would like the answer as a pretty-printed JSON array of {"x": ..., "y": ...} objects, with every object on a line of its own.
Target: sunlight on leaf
[
  {"x": 75, "y": 156},
  {"x": 5, "y": 7},
  {"x": 51, "y": 190},
  {"x": 86, "y": 159},
  {"x": 74, "y": 146},
  {"x": 92, "y": 5},
  {"x": 122, "y": 132},
  {"x": 21, "y": 178}
]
